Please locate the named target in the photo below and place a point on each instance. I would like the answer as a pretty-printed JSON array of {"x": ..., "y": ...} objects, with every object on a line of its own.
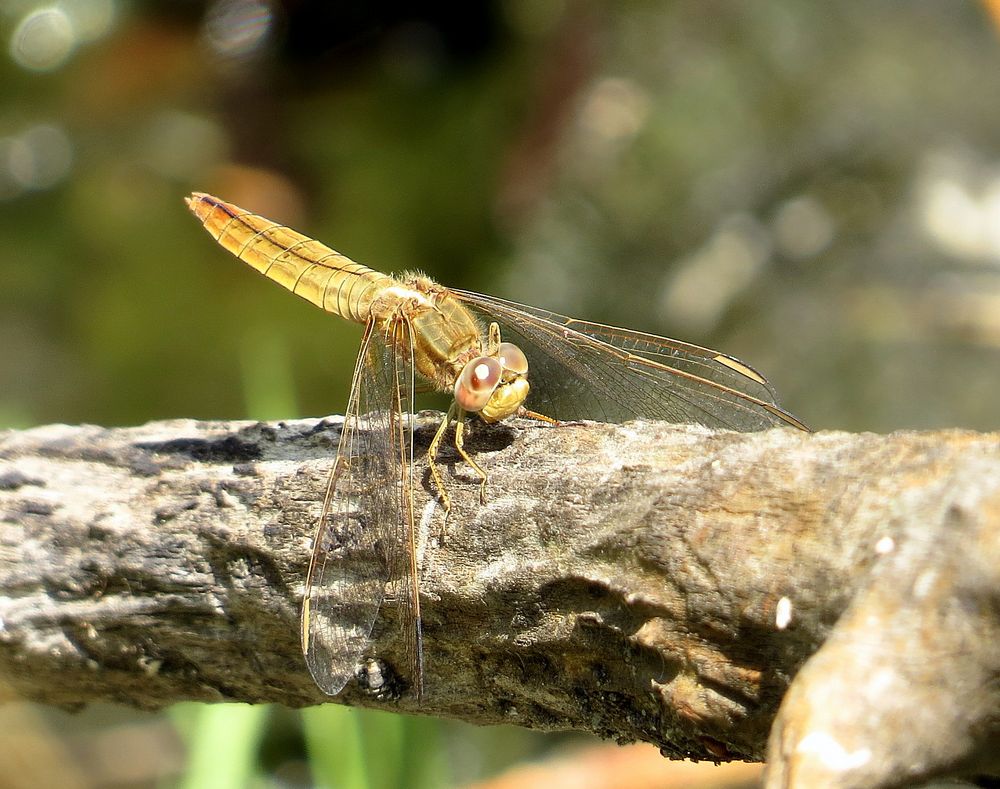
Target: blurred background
[{"x": 814, "y": 188}]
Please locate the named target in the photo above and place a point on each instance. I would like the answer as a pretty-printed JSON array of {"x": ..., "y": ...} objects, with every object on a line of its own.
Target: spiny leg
[
  {"x": 528, "y": 414},
  {"x": 460, "y": 446},
  {"x": 432, "y": 452},
  {"x": 493, "y": 340}
]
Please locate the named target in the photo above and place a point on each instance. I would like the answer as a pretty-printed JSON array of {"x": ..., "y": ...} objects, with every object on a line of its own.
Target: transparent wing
[
  {"x": 581, "y": 370},
  {"x": 364, "y": 544}
]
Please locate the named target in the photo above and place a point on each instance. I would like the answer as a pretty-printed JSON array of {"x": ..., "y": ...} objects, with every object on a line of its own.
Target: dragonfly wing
[
  {"x": 395, "y": 376},
  {"x": 581, "y": 370},
  {"x": 366, "y": 523}
]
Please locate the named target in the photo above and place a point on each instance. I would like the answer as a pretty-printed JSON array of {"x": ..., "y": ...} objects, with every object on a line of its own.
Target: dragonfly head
[{"x": 494, "y": 386}]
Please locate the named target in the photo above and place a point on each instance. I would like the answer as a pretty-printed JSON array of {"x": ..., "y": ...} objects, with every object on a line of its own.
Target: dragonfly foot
[{"x": 443, "y": 532}]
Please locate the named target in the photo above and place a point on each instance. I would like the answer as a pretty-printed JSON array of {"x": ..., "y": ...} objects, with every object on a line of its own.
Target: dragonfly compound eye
[
  {"x": 512, "y": 358},
  {"x": 475, "y": 385}
]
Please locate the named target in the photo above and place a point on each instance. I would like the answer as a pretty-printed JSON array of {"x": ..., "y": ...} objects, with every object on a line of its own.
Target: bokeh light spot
[
  {"x": 701, "y": 287},
  {"x": 91, "y": 19},
  {"x": 616, "y": 109},
  {"x": 43, "y": 40},
  {"x": 9, "y": 187},
  {"x": 803, "y": 228},
  {"x": 40, "y": 157},
  {"x": 237, "y": 28},
  {"x": 181, "y": 145},
  {"x": 958, "y": 200}
]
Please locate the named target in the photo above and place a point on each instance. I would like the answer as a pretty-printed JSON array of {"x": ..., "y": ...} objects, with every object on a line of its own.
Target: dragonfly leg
[
  {"x": 432, "y": 452},
  {"x": 460, "y": 446},
  {"x": 493, "y": 340},
  {"x": 528, "y": 414}
]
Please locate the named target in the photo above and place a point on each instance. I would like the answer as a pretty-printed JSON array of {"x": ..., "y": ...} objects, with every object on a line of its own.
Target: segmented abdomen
[{"x": 303, "y": 265}]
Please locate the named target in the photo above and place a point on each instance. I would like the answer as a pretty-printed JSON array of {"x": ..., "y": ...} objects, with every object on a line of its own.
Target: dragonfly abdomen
[{"x": 301, "y": 264}]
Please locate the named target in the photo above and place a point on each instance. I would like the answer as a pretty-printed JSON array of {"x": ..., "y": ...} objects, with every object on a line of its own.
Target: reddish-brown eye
[
  {"x": 475, "y": 385},
  {"x": 512, "y": 358}
]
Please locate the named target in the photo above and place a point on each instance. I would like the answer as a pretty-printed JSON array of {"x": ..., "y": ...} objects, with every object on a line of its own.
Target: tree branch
[{"x": 642, "y": 582}]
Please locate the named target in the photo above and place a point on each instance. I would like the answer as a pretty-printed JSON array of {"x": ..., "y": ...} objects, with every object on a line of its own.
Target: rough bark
[{"x": 642, "y": 582}]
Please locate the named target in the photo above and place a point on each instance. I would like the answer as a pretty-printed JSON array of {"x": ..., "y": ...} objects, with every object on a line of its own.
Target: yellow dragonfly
[{"x": 478, "y": 349}]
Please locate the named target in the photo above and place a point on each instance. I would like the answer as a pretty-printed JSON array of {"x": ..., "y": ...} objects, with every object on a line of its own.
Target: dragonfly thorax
[
  {"x": 427, "y": 325},
  {"x": 486, "y": 376}
]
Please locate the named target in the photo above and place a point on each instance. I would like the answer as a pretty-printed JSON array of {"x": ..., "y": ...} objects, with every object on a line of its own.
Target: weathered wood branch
[{"x": 652, "y": 582}]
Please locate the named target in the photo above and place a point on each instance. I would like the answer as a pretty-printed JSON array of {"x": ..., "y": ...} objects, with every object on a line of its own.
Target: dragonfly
[{"x": 478, "y": 349}]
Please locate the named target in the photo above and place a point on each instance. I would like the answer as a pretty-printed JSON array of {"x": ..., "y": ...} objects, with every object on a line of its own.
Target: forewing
[
  {"x": 364, "y": 525},
  {"x": 580, "y": 370},
  {"x": 396, "y": 373}
]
